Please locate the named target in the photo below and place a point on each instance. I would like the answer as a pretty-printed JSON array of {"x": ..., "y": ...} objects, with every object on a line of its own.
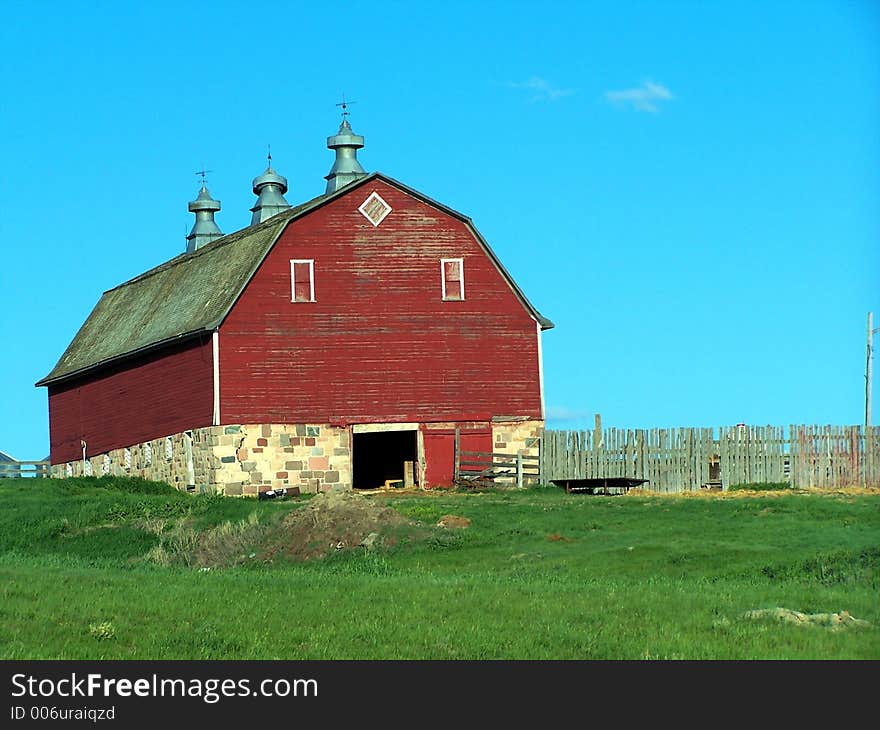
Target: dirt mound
[
  {"x": 335, "y": 521},
  {"x": 453, "y": 521},
  {"x": 328, "y": 523}
]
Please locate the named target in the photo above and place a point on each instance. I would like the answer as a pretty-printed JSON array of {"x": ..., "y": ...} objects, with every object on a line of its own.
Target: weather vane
[
  {"x": 203, "y": 173},
  {"x": 345, "y": 104},
  {"x": 269, "y": 156}
]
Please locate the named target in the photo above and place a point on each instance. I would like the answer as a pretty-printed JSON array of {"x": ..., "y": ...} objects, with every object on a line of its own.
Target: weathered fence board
[
  {"x": 24, "y": 469},
  {"x": 496, "y": 468},
  {"x": 687, "y": 459},
  {"x": 830, "y": 456}
]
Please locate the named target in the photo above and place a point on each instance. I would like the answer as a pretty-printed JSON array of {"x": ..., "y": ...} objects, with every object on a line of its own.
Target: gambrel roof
[{"x": 192, "y": 293}]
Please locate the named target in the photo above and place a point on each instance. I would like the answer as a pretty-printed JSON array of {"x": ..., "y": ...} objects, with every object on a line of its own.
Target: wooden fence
[
  {"x": 24, "y": 469},
  {"x": 832, "y": 456},
  {"x": 689, "y": 459},
  {"x": 475, "y": 468}
]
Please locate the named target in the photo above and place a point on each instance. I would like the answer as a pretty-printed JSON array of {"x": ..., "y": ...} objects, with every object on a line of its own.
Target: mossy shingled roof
[{"x": 189, "y": 294}]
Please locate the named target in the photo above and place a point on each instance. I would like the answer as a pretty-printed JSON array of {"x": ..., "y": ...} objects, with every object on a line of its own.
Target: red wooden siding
[
  {"x": 440, "y": 451},
  {"x": 156, "y": 395},
  {"x": 439, "y": 458},
  {"x": 378, "y": 344}
]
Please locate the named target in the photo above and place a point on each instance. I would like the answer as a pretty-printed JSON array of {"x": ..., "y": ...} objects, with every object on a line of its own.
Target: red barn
[{"x": 326, "y": 344}]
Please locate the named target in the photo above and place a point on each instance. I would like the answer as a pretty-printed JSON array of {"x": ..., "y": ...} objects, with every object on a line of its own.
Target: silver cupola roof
[
  {"x": 205, "y": 229},
  {"x": 346, "y": 167},
  {"x": 269, "y": 189}
]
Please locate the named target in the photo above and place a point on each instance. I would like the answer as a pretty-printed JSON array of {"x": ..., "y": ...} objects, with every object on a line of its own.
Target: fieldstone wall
[
  {"x": 240, "y": 459},
  {"x": 163, "y": 459},
  {"x": 249, "y": 459},
  {"x": 253, "y": 458},
  {"x": 510, "y": 437}
]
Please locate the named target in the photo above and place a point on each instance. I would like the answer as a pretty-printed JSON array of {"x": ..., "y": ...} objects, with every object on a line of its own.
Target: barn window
[
  {"x": 87, "y": 467},
  {"x": 374, "y": 209},
  {"x": 302, "y": 280},
  {"x": 452, "y": 279},
  {"x": 169, "y": 448},
  {"x": 105, "y": 467},
  {"x": 126, "y": 459},
  {"x": 148, "y": 454}
]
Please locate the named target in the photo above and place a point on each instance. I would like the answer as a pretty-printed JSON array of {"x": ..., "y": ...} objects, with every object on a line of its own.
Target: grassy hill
[{"x": 108, "y": 568}]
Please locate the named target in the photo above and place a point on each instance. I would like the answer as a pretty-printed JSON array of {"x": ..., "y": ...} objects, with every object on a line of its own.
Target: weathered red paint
[
  {"x": 378, "y": 344},
  {"x": 155, "y": 395},
  {"x": 439, "y": 458},
  {"x": 440, "y": 450}
]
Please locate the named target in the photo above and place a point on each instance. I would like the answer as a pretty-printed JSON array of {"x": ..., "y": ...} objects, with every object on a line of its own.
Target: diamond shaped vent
[{"x": 375, "y": 209}]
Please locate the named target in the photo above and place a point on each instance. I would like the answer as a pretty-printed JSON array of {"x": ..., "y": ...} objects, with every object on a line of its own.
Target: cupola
[
  {"x": 205, "y": 229},
  {"x": 269, "y": 189}
]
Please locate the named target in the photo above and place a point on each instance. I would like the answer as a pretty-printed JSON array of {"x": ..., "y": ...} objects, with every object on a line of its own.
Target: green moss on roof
[
  {"x": 188, "y": 294},
  {"x": 191, "y": 293}
]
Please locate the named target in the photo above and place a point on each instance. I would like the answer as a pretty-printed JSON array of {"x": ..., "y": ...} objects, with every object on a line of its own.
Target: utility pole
[{"x": 868, "y": 368}]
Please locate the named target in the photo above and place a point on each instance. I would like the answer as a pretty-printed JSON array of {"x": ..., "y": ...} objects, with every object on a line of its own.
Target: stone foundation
[
  {"x": 245, "y": 459},
  {"x": 163, "y": 459},
  {"x": 249, "y": 459},
  {"x": 511, "y": 437}
]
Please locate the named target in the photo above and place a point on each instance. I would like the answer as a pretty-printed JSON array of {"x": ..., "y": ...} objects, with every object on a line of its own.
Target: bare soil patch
[
  {"x": 556, "y": 537},
  {"x": 453, "y": 521},
  {"x": 335, "y": 521},
  {"x": 328, "y": 523}
]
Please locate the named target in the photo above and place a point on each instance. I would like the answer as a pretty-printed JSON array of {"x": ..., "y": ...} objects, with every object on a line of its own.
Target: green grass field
[{"x": 97, "y": 569}]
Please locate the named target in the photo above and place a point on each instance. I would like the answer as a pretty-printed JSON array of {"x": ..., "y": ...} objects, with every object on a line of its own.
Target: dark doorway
[{"x": 379, "y": 457}]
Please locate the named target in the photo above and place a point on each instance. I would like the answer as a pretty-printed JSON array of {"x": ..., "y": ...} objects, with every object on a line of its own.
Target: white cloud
[
  {"x": 564, "y": 413},
  {"x": 542, "y": 90},
  {"x": 645, "y": 98}
]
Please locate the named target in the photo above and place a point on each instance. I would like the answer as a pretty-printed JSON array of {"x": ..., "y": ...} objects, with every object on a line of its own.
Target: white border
[
  {"x": 215, "y": 351},
  {"x": 382, "y": 200},
  {"x": 443, "y": 280},
  {"x": 188, "y": 455},
  {"x": 541, "y": 370},
  {"x": 382, "y": 427},
  {"x": 311, "y": 263}
]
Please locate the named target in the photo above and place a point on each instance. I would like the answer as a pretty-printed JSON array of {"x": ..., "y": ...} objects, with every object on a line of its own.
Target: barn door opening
[{"x": 380, "y": 458}]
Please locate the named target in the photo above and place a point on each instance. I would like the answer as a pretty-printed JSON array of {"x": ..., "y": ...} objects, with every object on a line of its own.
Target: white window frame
[
  {"x": 363, "y": 208},
  {"x": 311, "y": 263},
  {"x": 443, "y": 263}
]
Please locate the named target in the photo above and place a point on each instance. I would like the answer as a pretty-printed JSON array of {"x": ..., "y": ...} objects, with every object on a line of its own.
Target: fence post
[
  {"x": 519, "y": 469},
  {"x": 541, "y": 454}
]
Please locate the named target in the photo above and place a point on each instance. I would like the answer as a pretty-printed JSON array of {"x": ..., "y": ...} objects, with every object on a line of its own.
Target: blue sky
[{"x": 689, "y": 190}]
